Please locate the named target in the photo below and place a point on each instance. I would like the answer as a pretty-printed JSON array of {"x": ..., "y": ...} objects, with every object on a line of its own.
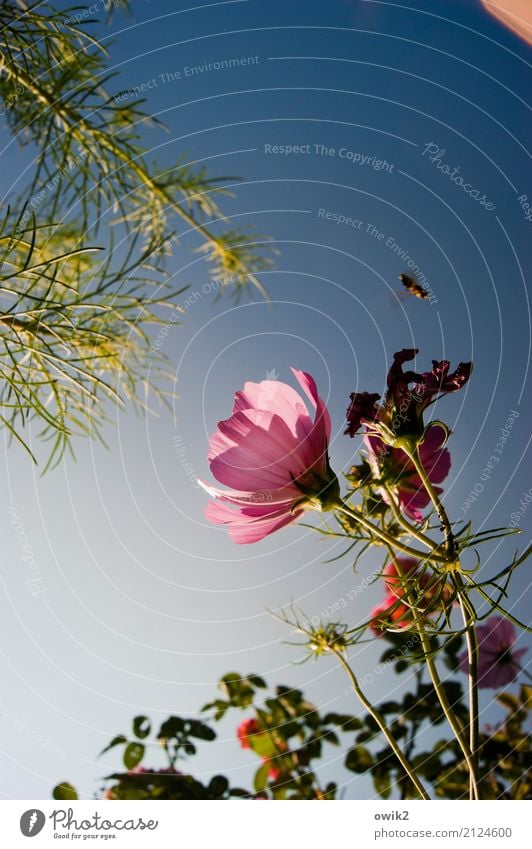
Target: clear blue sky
[{"x": 145, "y": 606}]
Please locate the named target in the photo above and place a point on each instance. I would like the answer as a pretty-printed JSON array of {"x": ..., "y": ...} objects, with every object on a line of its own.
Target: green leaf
[
  {"x": 116, "y": 741},
  {"x": 141, "y": 727},
  {"x": 359, "y": 759},
  {"x": 218, "y": 786},
  {"x": 65, "y": 792},
  {"x": 330, "y": 737},
  {"x": 263, "y": 745},
  {"x": 260, "y": 782},
  {"x": 526, "y": 696},
  {"x": 389, "y": 707},
  {"x": 382, "y": 781},
  {"x": 453, "y": 645},
  {"x": 238, "y": 689},
  {"x": 364, "y": 736},
  {"x": 201, "y": 730},
  {"x": 330, "y": 790},
  {"x": 220, "y": 708},
  {"x": 428, "y": 764},
  {"x": 239, "y": 792},
  {"x": 257, "y": 681},
  {"x": 172, "y": 727},
  {"x": 344, "y": 721},
  {"x": 133, "y": 754},
  {"x": 508, "y": 700}
]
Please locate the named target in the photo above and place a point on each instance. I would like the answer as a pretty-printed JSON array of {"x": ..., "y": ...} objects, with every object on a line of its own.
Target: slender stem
[
  {"x": 449, "y": 713},
  {"x": 468, "y": 615},
  {"x": 379, "y": 719},
  {"x": 391, "y": 542},
  {"x": 438, "y": 506},
  {"x": 469, "y": 618},
  {"x": 400, "y": 519},
  {"x": 415, "y": 723}
]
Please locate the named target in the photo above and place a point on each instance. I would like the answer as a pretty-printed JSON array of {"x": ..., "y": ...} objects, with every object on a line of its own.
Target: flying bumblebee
[{"x": 413, "y": 287}]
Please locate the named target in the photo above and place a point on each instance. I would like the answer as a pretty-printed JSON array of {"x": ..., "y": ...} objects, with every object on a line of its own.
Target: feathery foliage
[{"x": 75, "y": 319}]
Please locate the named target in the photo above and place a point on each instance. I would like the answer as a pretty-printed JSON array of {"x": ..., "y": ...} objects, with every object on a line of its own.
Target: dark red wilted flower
[
  {"x": 439, "y": 382},
  {"x": 410, "y": 393},
  {"x": 398, "y": 381},
  {"x": 363, "y": 407}
]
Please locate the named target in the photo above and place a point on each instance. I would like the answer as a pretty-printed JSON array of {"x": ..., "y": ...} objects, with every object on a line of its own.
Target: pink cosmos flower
[
  {"x": 400, "y": 474},
  {"x": 499, "y": 663},
  {"x": 274, "y": 457}
]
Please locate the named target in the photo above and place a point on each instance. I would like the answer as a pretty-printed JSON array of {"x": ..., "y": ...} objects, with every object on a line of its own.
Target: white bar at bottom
[{"x": 346, "y": 824}]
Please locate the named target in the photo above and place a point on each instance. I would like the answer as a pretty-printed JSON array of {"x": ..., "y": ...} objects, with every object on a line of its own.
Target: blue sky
[{"x": 145, "y": 606}]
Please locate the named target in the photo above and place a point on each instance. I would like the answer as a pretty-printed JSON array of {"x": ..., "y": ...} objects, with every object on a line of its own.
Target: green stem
[
  {"x": 449, "y": 713},
  {"x": 469, "y": 618},
  {"x": 389, "y": 541},
  {"x": 406, "y": 526},
  {"x": 496, "y": 606},
  {"x": 379, "y": 719},
  {"x": 438, "y": 506}
]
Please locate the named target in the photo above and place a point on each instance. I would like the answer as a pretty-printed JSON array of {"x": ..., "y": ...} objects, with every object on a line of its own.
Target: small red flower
[
  {"x": 273, "y": 771},
  {"x": 390, "y": 614},
  {"x": 245, "y": 730},
  {"x": 402, "y": 578}
]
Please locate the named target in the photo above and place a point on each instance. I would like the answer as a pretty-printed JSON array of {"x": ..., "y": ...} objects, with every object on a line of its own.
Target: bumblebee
[{"x": 413, "y": 287}]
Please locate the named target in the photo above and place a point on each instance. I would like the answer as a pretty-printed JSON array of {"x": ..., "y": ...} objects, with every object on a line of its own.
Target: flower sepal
[
  {"x": 442, "y": 426},
  {"x": 318, "y": 494}
]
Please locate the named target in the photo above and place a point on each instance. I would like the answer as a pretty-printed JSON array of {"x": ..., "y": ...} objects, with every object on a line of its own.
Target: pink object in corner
[{"x": 514, "y": 14}]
